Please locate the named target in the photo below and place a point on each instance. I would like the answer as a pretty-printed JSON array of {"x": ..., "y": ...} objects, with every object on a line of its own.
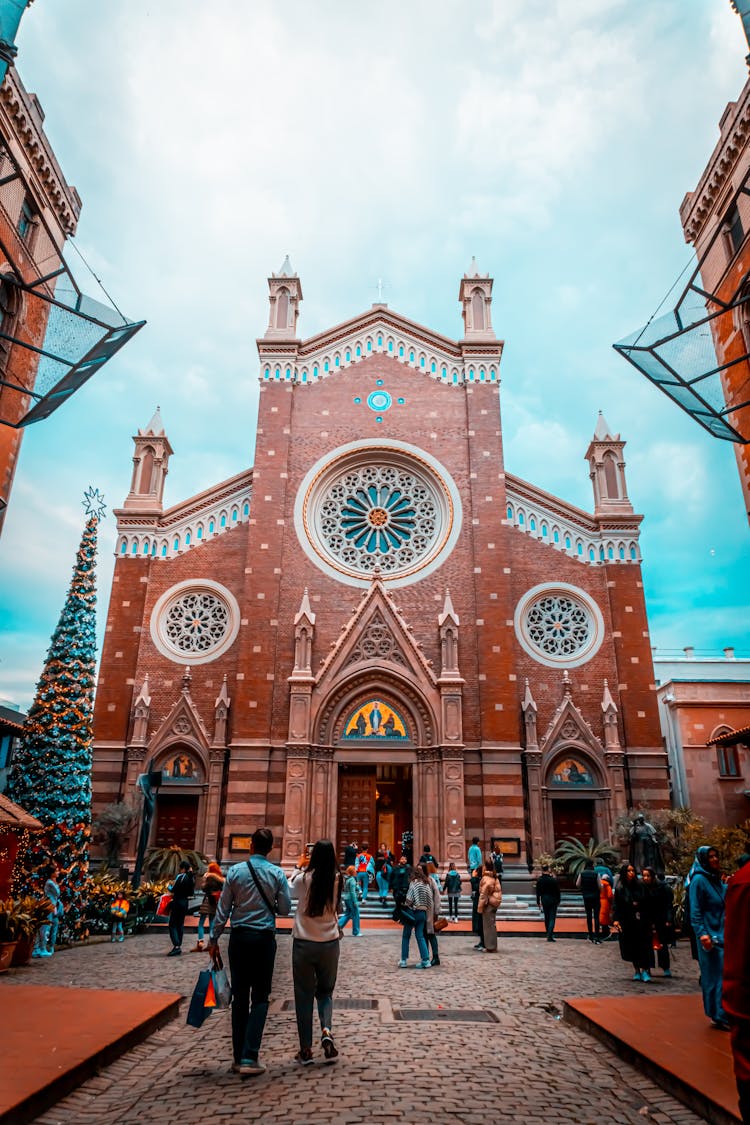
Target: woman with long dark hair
[
  {"x": 315, "y": 948},
  {"x": 633, "y": 923}
]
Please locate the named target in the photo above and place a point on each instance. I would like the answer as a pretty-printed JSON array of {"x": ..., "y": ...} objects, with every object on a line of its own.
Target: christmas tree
[{"x": 50, "y": 776}]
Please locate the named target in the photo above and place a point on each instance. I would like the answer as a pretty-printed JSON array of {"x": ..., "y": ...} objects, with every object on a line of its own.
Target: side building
[
  {"x": 704, "y": 704},
  {"x": 38, "y": 211},
  {"x": 377, "y": 633}
]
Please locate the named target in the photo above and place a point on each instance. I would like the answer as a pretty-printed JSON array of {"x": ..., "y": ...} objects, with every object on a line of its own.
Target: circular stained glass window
[
  {"x": 378, "y": 508},
  {"x": 195, "y": 622},
  {"x": 559, "y": 625}
]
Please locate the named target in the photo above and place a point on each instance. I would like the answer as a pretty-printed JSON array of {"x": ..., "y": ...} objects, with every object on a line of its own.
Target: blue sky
[{"x": 555, "y": 141}]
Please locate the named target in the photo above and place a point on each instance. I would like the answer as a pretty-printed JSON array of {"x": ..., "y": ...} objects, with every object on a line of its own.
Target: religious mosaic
[
  {"x": 571, "y": 771},
  {"x": 375, "y": 720}
]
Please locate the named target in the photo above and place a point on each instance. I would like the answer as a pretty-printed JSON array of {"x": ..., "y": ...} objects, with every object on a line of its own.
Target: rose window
[
  {"x": 379, "y": 516},
  {"x": 196, "y": 622},
  {"x": 377, "y": 509},
  {"x": 559, "y": 625}
]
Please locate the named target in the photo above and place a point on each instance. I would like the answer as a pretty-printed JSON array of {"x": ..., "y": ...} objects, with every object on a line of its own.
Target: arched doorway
[
  {"x": 375, "y": 801},
  {"x": 178, "y": 805},
  {"x": 576, "y": 797}
]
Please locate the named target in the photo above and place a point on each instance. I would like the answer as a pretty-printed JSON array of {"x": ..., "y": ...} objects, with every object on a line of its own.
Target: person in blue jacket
[{"x": 706, "y": 904}]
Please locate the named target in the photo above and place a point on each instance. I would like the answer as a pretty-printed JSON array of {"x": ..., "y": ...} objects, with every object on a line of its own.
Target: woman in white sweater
[{"x": 315, "y": 948}]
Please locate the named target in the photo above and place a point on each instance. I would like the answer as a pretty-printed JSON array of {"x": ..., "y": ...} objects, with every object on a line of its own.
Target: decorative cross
[
  {"x": 93, "y": 503},
  {"x": 380, "y": 290}
]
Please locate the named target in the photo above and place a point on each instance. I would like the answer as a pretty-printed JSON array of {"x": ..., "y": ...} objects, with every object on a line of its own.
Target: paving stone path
[{"x": 528, "y": 1067}]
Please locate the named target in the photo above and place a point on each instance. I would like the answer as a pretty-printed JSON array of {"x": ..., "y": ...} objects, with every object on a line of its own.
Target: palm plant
[
  {"x": 164, "y": 863},
  {"x": 573, "y": 853}
]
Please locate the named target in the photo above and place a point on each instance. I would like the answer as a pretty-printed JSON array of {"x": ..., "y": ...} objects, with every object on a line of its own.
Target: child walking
[
  {"x": 119, "y": 911},
  {"x": 350, "y": 900},
  {"x": 452, "y": 887}
]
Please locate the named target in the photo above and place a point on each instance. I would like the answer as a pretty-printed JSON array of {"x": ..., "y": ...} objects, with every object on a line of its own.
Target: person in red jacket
[{"x": 736, "y": 991}]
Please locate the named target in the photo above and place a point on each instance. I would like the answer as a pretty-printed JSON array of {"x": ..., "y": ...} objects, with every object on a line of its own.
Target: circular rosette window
[
  {"x": 195, "y": 622},
  {"x": 559, "y": 625},
  {"x": 386, "y": 509}
]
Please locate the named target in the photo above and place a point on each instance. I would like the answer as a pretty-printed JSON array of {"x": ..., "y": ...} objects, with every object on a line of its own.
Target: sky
[{"x": 553, "y": 139}]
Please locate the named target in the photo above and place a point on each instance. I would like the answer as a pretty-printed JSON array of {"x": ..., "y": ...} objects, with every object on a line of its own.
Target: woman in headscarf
[
  {"x": 660, "y": 913},
  {"x": 632, "y": 924},
  {"x": 706, "y": 893}
]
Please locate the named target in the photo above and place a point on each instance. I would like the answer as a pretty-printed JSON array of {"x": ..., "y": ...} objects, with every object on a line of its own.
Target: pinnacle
[
  {"x": 603, "y": 431},
  {"x": 155, "y": 426}
]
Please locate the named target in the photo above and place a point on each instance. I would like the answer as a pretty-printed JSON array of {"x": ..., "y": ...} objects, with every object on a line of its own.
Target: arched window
[
  {"x": 199, "y": 532},
  {"x": 545, "y": 531},
  {"x": 187, "y": 538},
  {"x": 146, "y": 479},
  {"x": 509, "y": 512},
  {"x": 246, "y": 509},
  {"x": 532, "y": 524},
  {"x": 556, "y": 535},
  {"x": 176, "y": 544},
  {"x": 282, "y": 309},
  {"x": 124, "y": 547},
  {"x": 211, "y": 526},
  {"x": 164, "y": 550},
  {"x": 567, "y": 542},
  {"x": 223, "y": 520},
  {"x": 477, "y": 310},
  {"x": 633, "y": 554},
  {"x": 610, "y": 476}
]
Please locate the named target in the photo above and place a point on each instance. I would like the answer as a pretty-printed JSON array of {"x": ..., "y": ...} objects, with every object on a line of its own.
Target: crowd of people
[{"x": 634, "y": 907}]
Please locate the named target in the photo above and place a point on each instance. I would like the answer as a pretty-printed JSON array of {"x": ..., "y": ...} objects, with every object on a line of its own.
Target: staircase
[{"x": 514, "y": 908}]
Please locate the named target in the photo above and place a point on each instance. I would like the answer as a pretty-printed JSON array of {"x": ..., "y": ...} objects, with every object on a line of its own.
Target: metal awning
[
  {"x": 53, "y": 338},
  {"x": 677, "y": 352}
]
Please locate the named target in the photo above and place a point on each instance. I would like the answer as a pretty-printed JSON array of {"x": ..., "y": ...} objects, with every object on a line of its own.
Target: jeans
[
  {"x": 351, "y": 910},
  {"x": 549, "y": 906},
  {"x": 314, "y": 968},
  {"x": 364, "y": 881},
  {"x": 453, "y": 906},
  {"x": 418, "y": 928},
  {"x": 382, "y": 882},
  {"x": 591, "y": 906},
  {"x": 202, "y": 919},
  {"x": 251, "y": 959},
  {"x": 711, "y": 963},
  {"x": 432, "y": 941},
  {"x": 177, "y": 922}
]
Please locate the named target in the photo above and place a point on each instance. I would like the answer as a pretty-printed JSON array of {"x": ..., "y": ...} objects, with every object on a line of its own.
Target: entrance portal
[
  {"x": 573, "y": 818},
  {"x": 176, "y": 820},
  {"x": 374, "y": 806}
]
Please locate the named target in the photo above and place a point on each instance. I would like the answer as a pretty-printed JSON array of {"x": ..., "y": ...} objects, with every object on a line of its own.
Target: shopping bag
[
  {"x": 165, "y": 905},
  {"x": 198, "y": 1012},
  {"x": 220, "y": 980}
]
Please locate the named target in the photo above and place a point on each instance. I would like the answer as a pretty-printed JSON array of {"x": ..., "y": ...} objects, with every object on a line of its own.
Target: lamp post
[{"x": 148, "y": 783}]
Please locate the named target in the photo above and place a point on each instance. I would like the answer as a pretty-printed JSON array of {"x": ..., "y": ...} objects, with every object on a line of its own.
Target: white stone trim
[
  {"x": 607, "y": 546},
  {"x": 414, "y": 459},
  {"x": 196, "y": 585},
  {"x": 381, "y": 338},
  {"x": 576, "y": 594},
  {"x": 175, "y": 535}
]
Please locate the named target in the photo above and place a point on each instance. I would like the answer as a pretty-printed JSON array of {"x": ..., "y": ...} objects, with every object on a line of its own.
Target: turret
[
  {"x": 284, "y": 296},
  {"x": 150, "y": 467},
  {"x": 605, "y": 459},
  {"x": 475, "y": 295}
]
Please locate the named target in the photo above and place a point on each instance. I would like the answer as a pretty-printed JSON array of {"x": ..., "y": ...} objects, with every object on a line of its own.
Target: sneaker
[
  {"x": 403, "y": 964},
  {"x": 250, "y": 1068},
  {"x": 480, "y": 945},
  {"x": 636, "y": 976},
  {"x": 720, "y": 1025},
  {"x": 435, "y": 961},
  {"x": 667, "y": 972},
  {"x": 122, "y": 937},
  {"x": 176, "y": 952},
  {"x": 646, "y": 977},
  {"x": 328, "y": 1045},
  {"x": 304, "y": 1056},
  {"x": 422, "y": 965}
]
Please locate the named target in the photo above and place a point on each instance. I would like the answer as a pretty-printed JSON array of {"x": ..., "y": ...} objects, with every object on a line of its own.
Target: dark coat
[
  {"x": 634, "y": 918},
  {"x": 547, "y": 887}
]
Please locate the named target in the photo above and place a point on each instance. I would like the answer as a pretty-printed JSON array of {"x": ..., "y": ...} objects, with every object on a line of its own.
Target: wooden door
[
  {"x": 356, "y": 807},
  {"x": 176, "y": 820},
  {"x": 573, "y": 818}
]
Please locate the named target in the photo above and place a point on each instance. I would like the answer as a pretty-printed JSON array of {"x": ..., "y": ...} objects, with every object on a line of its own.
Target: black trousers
[
  {"x": 252, "y": 954},
  {"x": 549, "y": 906},
  {"x": 591, "y": 906},
  {"x": 177, "y": 922}
]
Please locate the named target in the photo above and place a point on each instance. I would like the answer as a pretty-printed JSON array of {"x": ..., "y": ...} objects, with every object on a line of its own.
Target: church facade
[{"x": 376, "y": 633}]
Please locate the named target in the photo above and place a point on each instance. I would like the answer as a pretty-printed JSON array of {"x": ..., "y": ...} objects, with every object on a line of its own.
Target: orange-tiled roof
[
  {"x": 15, "y": 815},
  {"x": 729, "y": 737}
]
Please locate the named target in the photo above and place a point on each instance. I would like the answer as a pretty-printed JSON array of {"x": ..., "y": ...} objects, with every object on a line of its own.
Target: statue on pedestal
[{"x": 645, "y": 850}]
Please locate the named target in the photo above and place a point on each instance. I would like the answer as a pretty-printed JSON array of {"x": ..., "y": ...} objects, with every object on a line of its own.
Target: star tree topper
[{"x": 93, "y": 503}]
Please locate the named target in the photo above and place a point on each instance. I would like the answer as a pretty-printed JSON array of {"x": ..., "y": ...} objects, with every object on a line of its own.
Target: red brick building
[
  {"x": 38, "y": 211},
  {"x": 376, "y": 629}
]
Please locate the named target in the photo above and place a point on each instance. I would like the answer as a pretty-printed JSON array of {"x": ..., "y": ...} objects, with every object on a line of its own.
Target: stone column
[
  {"x": 532, "y": 757},
  {"x": 321, "y": 769},
  {"x": 212, "y": 801},
  {"x": 454, "y": 830},
  {"x": 136, "y": 757},
  {"x": 296, "y": 801},
  {"x": 427, "y": 827}
]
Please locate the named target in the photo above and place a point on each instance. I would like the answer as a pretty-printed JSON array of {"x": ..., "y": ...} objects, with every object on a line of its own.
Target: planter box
[{"x": 7, "y": 949}]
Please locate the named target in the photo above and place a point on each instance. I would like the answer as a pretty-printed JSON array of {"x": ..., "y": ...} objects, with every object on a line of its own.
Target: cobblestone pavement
[{"x": 529, "y": 1067}]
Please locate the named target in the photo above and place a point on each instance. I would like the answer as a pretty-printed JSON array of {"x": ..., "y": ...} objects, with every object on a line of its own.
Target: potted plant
[
  {"x": 164, "y": 863},
  {"x": 8, "y": 932},
  {"x": 31, "y": 914},
  {"x": 573, "y": 854}
]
